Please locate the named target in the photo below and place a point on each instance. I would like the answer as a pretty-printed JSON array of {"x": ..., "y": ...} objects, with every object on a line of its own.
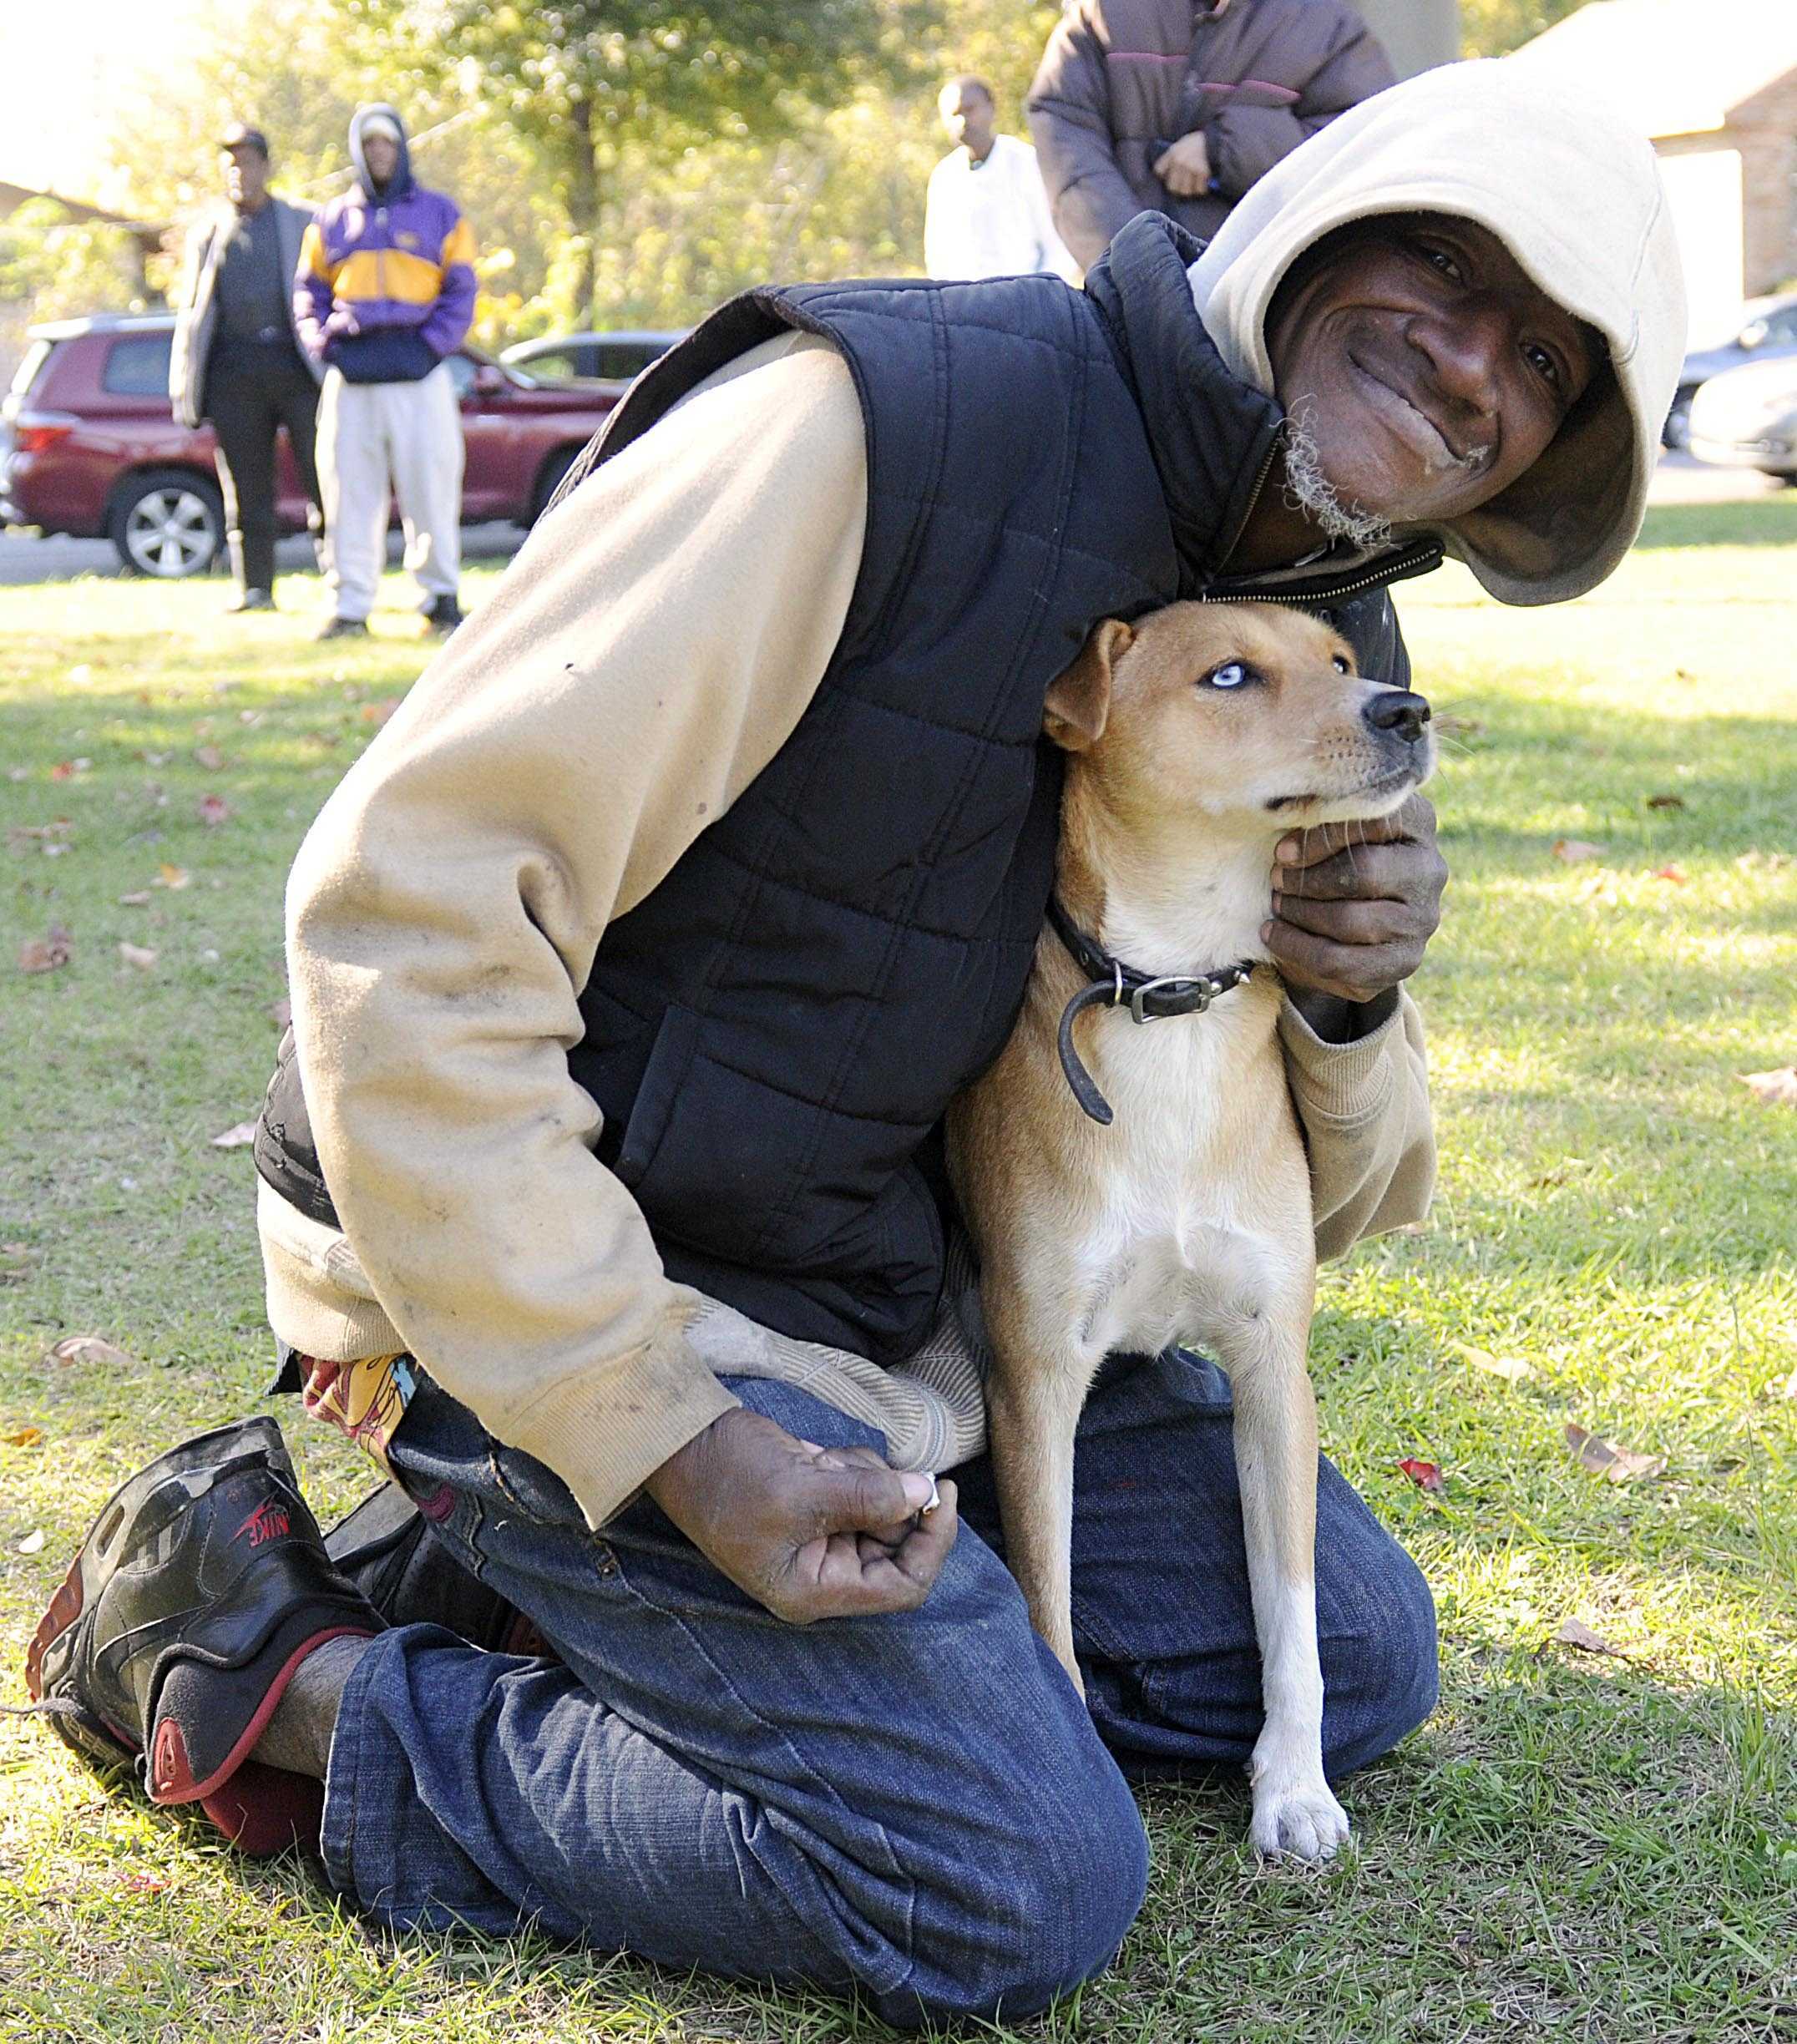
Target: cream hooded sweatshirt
[
  {"x": 1575, "y": 195},
  {"x": 650, "y": 649}
]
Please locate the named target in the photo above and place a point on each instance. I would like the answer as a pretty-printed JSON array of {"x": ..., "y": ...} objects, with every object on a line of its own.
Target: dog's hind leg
[{"x": 1259, "y": 1331}]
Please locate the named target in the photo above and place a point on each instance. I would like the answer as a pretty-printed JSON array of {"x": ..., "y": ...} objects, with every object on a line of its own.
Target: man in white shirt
[{"x": 987, "y": 213}]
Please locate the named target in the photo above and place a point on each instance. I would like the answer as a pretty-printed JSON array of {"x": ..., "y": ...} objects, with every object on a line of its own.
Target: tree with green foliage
[
  {"x": 1494, "y": 27},
  {"x": 594, "y": 86}
]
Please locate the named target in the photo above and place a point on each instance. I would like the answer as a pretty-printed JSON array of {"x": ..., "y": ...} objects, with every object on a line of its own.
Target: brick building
[{"x": 1714, "y": 84}]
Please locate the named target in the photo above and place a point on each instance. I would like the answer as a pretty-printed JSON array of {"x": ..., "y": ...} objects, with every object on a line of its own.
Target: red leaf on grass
[
  {"x": 1772, "y": 1088},
  {"x": 1676, "y": 875},
  {"x": 213, "y": 809},
  {"x": 1425, "y": 1475},
  {"x": 64, "y": 769}
]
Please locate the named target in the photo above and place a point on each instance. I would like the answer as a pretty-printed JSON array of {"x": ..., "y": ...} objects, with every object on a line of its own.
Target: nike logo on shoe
[{"x": 268, "y": 1522}]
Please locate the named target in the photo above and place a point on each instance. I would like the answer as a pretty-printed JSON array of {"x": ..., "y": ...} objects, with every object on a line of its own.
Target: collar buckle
[{"x": 1194, "y": 996}]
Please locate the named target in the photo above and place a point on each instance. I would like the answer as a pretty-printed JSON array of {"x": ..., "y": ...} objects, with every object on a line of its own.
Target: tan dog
[{"x": 1196, "y": 741}]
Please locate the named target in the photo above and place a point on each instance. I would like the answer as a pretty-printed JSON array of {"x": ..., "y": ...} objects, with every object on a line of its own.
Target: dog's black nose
[{"x": 1397, "y": 710}]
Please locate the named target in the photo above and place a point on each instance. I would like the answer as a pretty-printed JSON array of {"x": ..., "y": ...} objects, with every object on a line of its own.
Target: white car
[
  {"x": 597, "y": 358},
  {"x": 1747, "y": 418}
]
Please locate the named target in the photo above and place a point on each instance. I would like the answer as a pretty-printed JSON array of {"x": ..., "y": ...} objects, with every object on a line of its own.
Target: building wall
[
  {"x": 1763, "y": 133},
  {"x": 1767, "y": 128}
]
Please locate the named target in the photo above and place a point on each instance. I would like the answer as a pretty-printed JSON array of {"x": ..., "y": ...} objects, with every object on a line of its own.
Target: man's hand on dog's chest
[{"x": 1353, "y": 907}]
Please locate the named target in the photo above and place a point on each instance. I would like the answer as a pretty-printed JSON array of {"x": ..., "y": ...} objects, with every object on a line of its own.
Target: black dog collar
[{"x": 1117, "y": 985}]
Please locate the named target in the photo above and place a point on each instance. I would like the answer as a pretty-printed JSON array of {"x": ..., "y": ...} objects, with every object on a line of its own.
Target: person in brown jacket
[{"x": 1177, "y": 106}]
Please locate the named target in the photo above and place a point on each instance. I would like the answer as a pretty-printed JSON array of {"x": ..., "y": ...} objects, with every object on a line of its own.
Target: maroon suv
[{"x": 88, "y": 444}]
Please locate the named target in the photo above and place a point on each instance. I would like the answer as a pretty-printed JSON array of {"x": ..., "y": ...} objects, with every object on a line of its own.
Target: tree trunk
[{"x": 584, "y": 195}]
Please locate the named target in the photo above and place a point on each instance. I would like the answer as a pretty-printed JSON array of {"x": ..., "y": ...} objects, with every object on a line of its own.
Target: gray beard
[{"x": 1308, "y": 490}]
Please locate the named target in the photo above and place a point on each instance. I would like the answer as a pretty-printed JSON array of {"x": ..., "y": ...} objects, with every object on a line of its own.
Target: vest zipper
[{"x": 1426, "y": 554}]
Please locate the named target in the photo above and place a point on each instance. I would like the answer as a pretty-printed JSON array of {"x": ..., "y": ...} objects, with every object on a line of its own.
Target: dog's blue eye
[{"x": 1231, "y": 674}]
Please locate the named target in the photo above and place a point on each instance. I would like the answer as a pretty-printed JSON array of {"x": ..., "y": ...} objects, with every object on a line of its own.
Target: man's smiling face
[{"x": 1428, "y": 368}]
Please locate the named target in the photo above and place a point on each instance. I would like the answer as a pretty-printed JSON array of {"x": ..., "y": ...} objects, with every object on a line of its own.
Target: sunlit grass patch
[{"x": 1579, "y": 1844}]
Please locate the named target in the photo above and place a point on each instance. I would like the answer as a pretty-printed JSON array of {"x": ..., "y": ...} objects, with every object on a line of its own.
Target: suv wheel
[{"x": 169, "y": 524}]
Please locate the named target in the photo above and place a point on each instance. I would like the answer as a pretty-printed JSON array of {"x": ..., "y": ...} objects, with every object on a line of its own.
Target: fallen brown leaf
[
  {"x": 42, "y": 954},
  {"x": 138, "y": 955},
  {"x": 236, "y": 1136},
  {"x": 210, "y": 757},
  {"x": 1772, "y": 1088},
  {"x": 1666, "y": 801},
  {"x": 1676, "y": 875},
  {"x": 1511, "y": 1368},
  {"x": 175, "y": 878},
  {"x": 64, "y": 769},
  {"x": 1575, "y": 1632},
  {"x": 25, "y": 1437},
  {"x": 1602, "y": 1457},
  {"x": 89, "y": 1348},
  {"x": 1572, "y": 851},
  {"x": 213, "y": 809},
  {"x": 50, "y": 839}
]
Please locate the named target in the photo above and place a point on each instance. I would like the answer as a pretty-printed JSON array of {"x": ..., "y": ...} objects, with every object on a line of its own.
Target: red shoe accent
[
  {"x": 170, "y": 1779},
  {"x": 168, "y": 1771},
  {"x": 263, "y": 1810},
  {"x": 65, "y": 1608}
]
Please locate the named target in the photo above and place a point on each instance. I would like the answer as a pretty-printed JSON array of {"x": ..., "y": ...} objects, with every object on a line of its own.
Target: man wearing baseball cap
[
  {"x": 237, "y": 363},
  {"x": 384, "y": 291}
]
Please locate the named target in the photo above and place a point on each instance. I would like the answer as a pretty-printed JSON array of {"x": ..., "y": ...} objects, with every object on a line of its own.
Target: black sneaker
[
  {"x": 442, "y": 614},
  {"x": 342, "y": 628},
  {"x": 202, "y": 1587},
  {"x": 386, "y": 1548}
]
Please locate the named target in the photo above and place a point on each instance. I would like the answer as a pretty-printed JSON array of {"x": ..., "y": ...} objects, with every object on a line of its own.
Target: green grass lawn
[{"x": 1578, "y": 1845}]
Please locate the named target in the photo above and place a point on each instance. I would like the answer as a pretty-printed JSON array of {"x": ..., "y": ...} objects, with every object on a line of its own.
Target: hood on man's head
[
  {"x": 374, "y": 118},
  {"x": 1574, "y": 194}
]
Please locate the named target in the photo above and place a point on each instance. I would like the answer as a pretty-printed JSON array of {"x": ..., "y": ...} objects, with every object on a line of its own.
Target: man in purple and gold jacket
[{"x": 385, "y": 292}]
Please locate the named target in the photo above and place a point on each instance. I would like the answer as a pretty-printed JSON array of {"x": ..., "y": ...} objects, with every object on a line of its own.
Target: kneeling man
[{"x": 633, "y": 967}]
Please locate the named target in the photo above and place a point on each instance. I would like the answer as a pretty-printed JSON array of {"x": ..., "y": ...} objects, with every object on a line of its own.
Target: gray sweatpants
[{"x": 375, "y": 438}]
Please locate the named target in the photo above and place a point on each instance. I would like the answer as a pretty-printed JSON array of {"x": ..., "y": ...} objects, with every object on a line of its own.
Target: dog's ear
[{"x": 1078, "y": 702}]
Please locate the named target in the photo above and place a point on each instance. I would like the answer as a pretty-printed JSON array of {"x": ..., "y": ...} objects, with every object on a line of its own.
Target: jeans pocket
[{"x": 532, "y": 1489}]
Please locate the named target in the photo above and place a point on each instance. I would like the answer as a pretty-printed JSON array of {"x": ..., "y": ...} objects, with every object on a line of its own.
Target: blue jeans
[{"x": 917, "y": 1806}]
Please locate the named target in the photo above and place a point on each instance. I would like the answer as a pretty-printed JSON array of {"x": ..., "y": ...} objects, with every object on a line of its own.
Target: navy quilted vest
[{"x": 772, "y": 1034}]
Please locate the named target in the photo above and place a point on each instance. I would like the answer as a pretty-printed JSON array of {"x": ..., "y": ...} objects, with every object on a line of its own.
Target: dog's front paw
[{"x": 1298, "y": 1820}]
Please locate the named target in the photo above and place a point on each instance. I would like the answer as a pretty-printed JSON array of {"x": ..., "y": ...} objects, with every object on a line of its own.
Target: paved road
[
  {"x": 26, "y": 559},
  {"x": 1680, "y": 480}
]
